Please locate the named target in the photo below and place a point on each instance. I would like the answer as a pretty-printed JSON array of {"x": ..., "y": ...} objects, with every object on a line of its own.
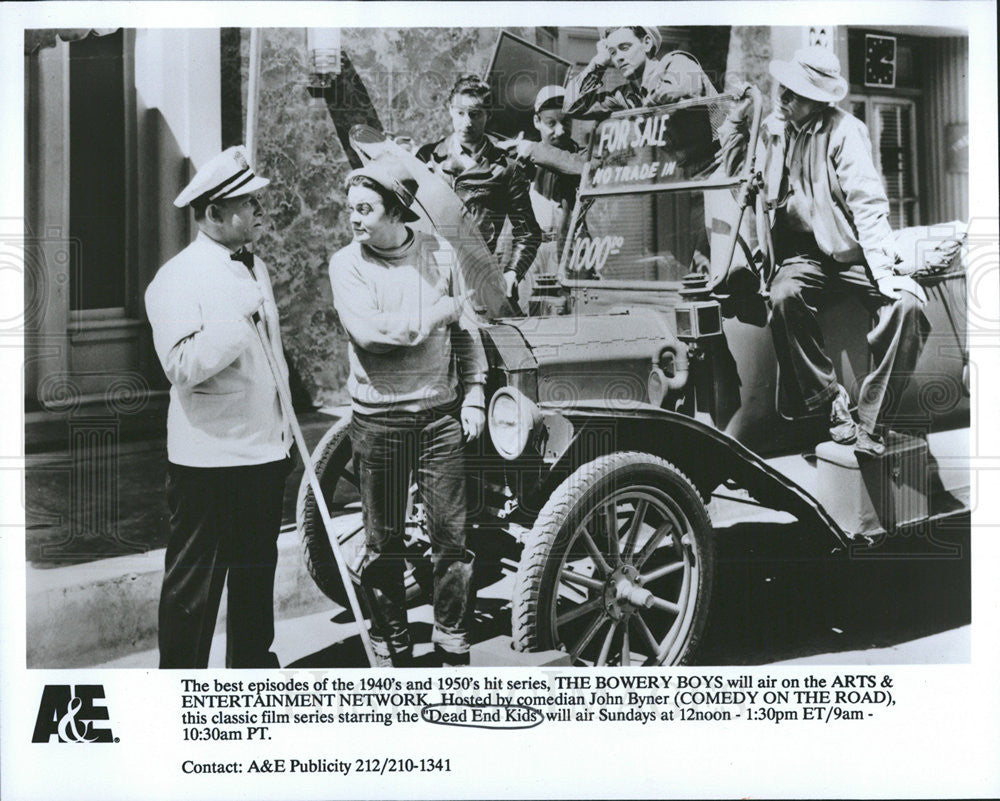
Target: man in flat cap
[
  {"x": 648, "y": 81},
  {"x": 491, "y": 184},
  {"x": 829, "y": 219},
  {"x": 227, "y": 439},
  {"x": 417, "y": 370},
  {"x": 554, "y": 164}
]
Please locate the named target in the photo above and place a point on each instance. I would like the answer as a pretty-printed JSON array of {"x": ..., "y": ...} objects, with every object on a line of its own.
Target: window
[
  {"x": 547, "y": 38},
  {"x": 891, "y": 123},
  {"x": 654, "y": 236},
  {"x": 658, "y": 197},
  {"x": 97, "y": 191}
]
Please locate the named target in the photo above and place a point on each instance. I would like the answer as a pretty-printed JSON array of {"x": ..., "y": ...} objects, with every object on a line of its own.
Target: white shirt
[{"x": 224, "y": 408}]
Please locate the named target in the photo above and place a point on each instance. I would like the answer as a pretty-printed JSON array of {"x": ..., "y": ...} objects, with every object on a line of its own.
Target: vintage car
[{"x": 644, "y": 383}]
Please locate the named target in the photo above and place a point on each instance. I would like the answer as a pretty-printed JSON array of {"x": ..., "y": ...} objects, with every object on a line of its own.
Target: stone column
[{"x": 752, "y": 47}]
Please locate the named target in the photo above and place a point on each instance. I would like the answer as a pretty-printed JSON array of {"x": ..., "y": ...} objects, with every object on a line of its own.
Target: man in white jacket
[{"x": 227, "y": 439}]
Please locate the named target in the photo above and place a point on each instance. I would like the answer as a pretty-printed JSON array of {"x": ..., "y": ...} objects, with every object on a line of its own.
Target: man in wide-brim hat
[
  {"x": 829, "y": 218},
  {"x": 417, "y": 370}
]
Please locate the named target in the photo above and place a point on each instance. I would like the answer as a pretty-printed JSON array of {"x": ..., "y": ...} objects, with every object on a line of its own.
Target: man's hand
[
  {"x": 448, "y": 309},
  {"x": 445, "y": 311},
  {"x": 892, "y": 286},
  {"x": 473, "y": 422},
  {"x": 247, "y": 298},
  {"x": 602, "y": 58},
  {"x": 519, "y": 147}
]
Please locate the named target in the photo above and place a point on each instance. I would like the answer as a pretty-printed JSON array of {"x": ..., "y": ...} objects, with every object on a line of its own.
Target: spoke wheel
[
  {"x": 617, "y": 569},
  {"x": 333, "y": 462}
]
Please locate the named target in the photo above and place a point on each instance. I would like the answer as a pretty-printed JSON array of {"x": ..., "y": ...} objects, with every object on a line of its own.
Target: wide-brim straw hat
[{"x": 813, "y": 72}]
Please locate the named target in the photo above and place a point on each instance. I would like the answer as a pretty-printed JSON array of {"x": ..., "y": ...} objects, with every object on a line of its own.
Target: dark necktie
[{"x": 245, "y": 256}]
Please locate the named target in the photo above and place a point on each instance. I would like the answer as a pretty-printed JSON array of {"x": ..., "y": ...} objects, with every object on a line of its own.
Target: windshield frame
[{"x": 741, "y": 178}]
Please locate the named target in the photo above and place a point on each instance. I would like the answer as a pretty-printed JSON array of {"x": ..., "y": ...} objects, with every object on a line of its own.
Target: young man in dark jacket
[
  {"x": 554, "y": 163},
  {"x": 490, "y": 183}
]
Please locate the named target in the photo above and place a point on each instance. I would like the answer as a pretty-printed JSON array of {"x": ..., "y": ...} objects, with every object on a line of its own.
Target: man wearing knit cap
[
  {"x": 829, "y": 219},
  {"x": 227, "y": 440},
  {"x": 417, "y": 370},
  {"x": 648, "y": 81}
]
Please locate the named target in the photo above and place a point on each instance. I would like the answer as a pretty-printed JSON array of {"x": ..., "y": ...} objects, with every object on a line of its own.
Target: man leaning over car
[
  {"x": 490, "y": 183},
  {"x": 648, "y": 81}
]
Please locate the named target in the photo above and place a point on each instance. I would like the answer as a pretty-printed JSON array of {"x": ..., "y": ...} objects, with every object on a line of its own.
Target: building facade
[{"x": 117, "y": 121}]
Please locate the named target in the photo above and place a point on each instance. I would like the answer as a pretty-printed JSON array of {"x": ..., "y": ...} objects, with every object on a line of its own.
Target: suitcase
[{"x": 879, "y": 494}]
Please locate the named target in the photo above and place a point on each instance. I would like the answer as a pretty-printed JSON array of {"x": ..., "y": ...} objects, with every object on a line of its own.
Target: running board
[{"x": 917, "y": 481}]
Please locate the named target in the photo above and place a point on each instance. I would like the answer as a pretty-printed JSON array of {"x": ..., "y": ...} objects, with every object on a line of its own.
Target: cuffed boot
[
  {"x": 453, "y": 606},
  {"x": 385, "y": 595}
]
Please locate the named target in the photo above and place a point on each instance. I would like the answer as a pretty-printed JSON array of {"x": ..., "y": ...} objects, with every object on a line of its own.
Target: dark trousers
[
  {"x": 901, "y": 329},
  {"x": 388, "y": 447},
  {"x": 224, "y": 522}
]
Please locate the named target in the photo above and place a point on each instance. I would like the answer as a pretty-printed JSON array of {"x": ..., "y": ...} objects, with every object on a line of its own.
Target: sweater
[{"x": 398, "y": 361}]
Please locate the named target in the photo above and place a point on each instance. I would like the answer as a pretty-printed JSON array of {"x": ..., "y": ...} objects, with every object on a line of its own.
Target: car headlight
[{"x": 512, "y": 418}]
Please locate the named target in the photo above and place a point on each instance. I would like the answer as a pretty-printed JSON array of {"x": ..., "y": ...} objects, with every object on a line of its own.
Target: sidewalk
[
  {"x": 95, "y": 551},
  {"x": 327, "y": 639},
  {"x": 780, "y": 597},
  {"x": 104, "y": 612},
  {"x": 325, "y": 635},
  {"x": 92, "y": 613},
  {"x": 88, "y": 502}
]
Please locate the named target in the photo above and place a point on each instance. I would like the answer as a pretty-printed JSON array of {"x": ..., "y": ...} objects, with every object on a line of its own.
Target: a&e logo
[{"x": 67, "y": 712}]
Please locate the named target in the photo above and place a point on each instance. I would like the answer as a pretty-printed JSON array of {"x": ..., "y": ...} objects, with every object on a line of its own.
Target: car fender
[{"x": 580, "y": 431}]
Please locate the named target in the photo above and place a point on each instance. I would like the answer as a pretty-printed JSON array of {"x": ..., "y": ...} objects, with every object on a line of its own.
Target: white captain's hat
[{"x": 227, "y": 175}]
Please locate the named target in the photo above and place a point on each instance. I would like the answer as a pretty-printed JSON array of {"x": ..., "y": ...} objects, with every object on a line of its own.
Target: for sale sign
[{"x": 657, "y": 148}]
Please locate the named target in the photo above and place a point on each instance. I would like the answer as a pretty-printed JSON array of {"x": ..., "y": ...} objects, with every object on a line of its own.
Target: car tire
[{"x": 640, "y": 596}]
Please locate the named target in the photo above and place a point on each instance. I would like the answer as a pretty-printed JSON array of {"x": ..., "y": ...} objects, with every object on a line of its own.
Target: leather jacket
[{"x": 493, "y": 187}]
